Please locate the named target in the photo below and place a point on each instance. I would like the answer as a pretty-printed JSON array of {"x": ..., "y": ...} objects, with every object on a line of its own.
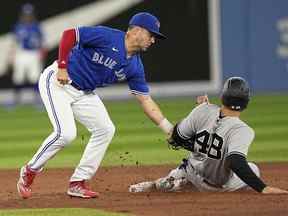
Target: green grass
[
  {"x": 137, "y": 139},
  {"x": 57, "y": 212}
]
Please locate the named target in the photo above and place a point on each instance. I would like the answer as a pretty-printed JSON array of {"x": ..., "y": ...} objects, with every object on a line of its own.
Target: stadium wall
[{"x": 255, "y": 42}]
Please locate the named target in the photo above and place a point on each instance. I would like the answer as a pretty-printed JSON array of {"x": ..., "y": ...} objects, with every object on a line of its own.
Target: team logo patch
[
  {"x": 158, "y": 24},
  {"x": 115, "y": 49}
]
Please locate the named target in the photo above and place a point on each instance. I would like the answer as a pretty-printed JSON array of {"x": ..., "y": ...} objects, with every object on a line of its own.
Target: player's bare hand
[
  {"x": 274, "y": 190},
  {"x": 202, "y": 99},
  {"x": 62, "y": 76}
]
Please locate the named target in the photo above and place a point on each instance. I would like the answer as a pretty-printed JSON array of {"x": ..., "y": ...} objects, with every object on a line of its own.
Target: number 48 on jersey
[{"x": 208, "y": 144}]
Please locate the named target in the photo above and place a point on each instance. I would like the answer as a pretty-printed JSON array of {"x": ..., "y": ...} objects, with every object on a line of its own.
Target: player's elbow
[{"x": 143, "y": 98}]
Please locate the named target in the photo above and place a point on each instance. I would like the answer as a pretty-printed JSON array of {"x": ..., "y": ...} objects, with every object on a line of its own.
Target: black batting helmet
[{"x": 235, "y": 94}]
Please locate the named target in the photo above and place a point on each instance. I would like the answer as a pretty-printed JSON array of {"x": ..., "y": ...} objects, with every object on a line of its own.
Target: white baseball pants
[
  {"x": 27, "y": 64},
  {"x": 63, "y": 105}
]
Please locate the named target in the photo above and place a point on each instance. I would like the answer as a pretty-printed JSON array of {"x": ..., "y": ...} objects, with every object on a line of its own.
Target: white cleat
[
  {"x": 165, "y": 184},
  {"x": 170, "y": 184},
  {"x": 142, "y": 187}
]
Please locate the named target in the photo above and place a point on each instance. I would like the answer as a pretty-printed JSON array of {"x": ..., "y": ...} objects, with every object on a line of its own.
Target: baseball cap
[{"x": 149, "y": 22}]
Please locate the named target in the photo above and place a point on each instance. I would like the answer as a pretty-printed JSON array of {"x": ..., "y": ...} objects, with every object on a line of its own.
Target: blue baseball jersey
[
  {"x": 99, "y": 58},
  {"x": 29, "y": 36}
]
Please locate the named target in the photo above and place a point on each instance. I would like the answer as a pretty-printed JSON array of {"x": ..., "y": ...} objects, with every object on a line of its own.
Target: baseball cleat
[
  {"x": 142, "y": 187},
  {"x": 79, "y": 189},
  {"x": 25, "y": 181},
  {"x": 170, "y": 184},
  {"x": 165, "y": 184}
]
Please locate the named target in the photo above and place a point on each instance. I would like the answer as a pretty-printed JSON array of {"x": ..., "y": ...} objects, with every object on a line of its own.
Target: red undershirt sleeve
[{"x": 67, "y": 41}]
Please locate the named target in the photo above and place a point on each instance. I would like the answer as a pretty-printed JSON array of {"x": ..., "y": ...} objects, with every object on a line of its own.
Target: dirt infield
[{"x": 50, "y": 187}]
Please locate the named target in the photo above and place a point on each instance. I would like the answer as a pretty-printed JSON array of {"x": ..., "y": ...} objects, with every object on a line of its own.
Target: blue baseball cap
[{"x": 149, "y": 22}]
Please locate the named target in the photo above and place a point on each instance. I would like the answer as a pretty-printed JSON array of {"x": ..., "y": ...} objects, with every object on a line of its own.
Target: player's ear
[{"x": 132, "y": 30}]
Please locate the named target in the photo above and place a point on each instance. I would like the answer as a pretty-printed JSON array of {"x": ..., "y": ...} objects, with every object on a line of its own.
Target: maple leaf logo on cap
[{"x": 158, "y": 24}]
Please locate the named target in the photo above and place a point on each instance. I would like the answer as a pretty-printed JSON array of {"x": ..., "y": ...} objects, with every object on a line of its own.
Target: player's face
[
  {"x": 144, "y": 39},
  {"x": 27, "y": 18}
]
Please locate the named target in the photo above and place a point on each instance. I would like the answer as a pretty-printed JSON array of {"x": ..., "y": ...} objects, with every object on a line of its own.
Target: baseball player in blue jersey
[
  {"x": 90, "y": 58},
  {"x": 27, "y": 50}
]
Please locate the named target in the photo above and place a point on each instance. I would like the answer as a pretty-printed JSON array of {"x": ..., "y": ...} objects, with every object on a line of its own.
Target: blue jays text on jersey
[
  {"x": 110, "y": 63},
  {"x": 99, "y": 59},
  {"x": 29, "y": 36},
  {"x": 106, "y": 61}
]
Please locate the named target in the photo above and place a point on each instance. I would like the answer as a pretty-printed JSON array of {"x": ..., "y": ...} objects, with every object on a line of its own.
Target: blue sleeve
[
  {"x": 137, "y": 82},
  {"x": 91, "y": 36}
]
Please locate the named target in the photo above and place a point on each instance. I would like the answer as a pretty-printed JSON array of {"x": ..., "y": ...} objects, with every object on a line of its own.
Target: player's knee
[
  {"x": 255, "y": 168},
  {"x": 68, "y": 136},
  {"x": 107, "y": 131},
  {"x": 177, "y": 173},
  {"x": 110, "y": 130}
]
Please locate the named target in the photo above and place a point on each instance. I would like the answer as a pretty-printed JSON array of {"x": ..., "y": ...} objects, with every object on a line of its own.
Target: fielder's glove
[
  {"x": 172, "y": 144},
  {"x": 176, "y": 141}
]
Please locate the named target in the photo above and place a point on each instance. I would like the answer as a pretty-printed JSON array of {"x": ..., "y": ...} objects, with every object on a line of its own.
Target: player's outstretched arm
[
  {"x": 273, "y": 190},
  {"x": 240, "y": 167},
  {"x": 152, "y": 110}
]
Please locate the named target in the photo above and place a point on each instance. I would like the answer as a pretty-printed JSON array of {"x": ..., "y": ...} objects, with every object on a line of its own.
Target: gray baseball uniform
[
  {"x": 215, "y": 139},
  {"x": 218, "y": 142}
]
